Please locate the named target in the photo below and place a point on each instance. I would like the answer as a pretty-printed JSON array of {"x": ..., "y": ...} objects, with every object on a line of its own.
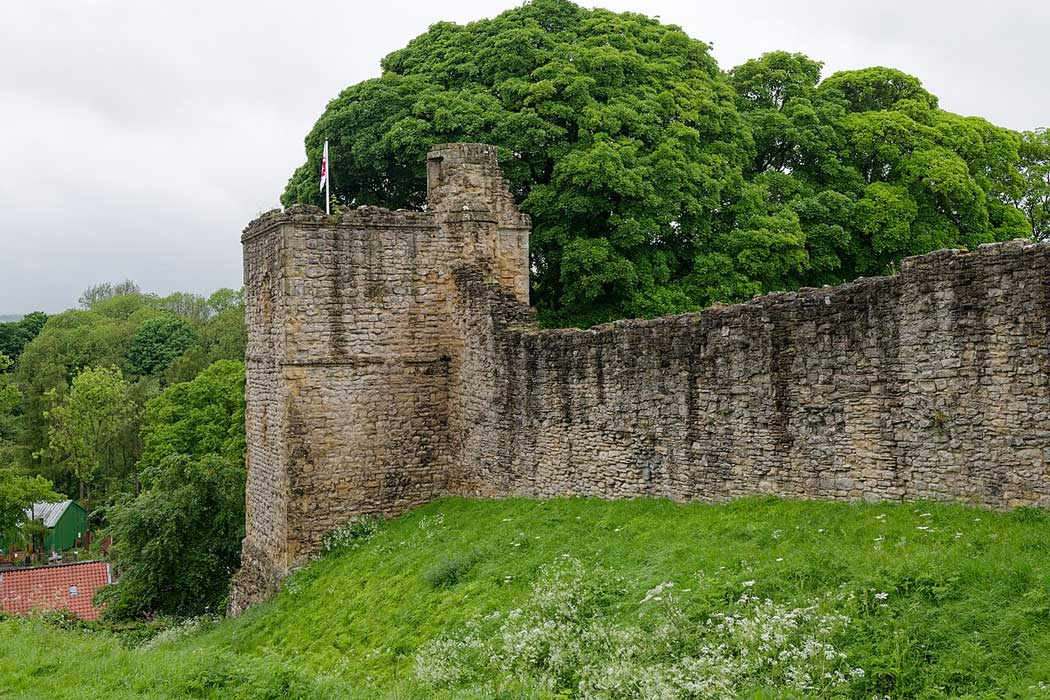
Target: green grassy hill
[{"x": 594, "y": 599}]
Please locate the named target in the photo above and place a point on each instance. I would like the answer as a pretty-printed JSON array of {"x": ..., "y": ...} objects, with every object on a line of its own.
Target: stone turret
[
  {"x": 467, "y": 192},
  {"x": 352, "y": 333}
]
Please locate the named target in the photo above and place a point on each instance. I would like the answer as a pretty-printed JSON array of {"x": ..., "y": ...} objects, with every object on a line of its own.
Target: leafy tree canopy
[
  {"x": 619, "y": 136},
  {"x": 154, "y": 340},
  {"x": 104, "y": 290},
  {"x": 657, "y": 183},
  {"x": 69, "y": 343},
  {"x": 221, "y": 337},
  {"x": 10, "y": 403},
  {"x": 226, "y": 299},
  {"x": 18, "y": 492},
  {"x": 870, "y": 167},
  {"x": 1035, "y": 169},
  {"x": 15, "y": 334},
  {"x": 9, "y": 394},
  {"x": 94, "y": 428},
  {"x": 158, "y": 342},
  {"x": 187, "y": 306},
  {"x": 178, "y": 543},
  {"x": 200, "y": 417}
]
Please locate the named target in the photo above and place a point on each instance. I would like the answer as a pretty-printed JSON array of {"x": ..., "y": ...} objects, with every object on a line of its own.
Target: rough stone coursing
[{"x": 392, "y": 360}]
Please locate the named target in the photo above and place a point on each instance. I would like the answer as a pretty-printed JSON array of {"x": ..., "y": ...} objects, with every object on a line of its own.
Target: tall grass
[{"x": 934, "y": 601}]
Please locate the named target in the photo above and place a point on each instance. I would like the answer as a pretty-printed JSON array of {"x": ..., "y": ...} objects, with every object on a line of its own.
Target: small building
[
  {"x": 69, "y": 587},
  {"x": 66, "y": 522}
]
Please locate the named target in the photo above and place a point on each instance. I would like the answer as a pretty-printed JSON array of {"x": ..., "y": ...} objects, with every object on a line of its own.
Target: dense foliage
[
  {"x": 134, "y": 406},
  {"x": 620, "y": 137},
  {"x": 150, "y": 341},
  {"x": 15, "y": 334},
  {"x": 94, "y": 429},
  {"x": 10, "y": 400},
  {"x": 177, "y": 543},
  {"x": 863, "y": 169},
  {"x": 201, "y": 417},
  {"x": 17, "y": 493},
  {"x": 1035, "y": 168},
  {"x": 158, "y": 342},
  {"x": 657, "y": 183},
  {"x": 576, "y": 598},
  {"x": 221, "y": 337}
]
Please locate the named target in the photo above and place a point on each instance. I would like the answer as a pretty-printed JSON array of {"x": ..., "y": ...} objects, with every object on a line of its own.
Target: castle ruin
[{"x": 392, "y": 360}]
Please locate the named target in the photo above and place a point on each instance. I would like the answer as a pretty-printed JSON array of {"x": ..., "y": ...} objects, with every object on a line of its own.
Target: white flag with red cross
[{"x": 324, "y": 166}]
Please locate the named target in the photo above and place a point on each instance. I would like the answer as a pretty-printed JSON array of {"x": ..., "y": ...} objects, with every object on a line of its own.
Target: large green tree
[
  {"x": 14, "y": 335},
  {"x": 178, "y": 542},
  {"x": 222, "y": 337},
  {"x": 94, "y": 428},
  {"x": 619, "y": 136},
  {"x": 158, "y": 342},
  {"x": 69, "y": 343},
  {"x": 656, "y": 182},
  {"x": 1035, "y": 169},
  {"x": 155, "y": 340},
  {"x": 10, "y": 404},
  {"x": 190, "y": 307},
  {"x": 861, "y": 170},
  {"x": 17, "y": 493}
]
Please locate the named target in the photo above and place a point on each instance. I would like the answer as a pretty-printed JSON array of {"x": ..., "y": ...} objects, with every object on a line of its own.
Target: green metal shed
[{"x": 65, "y": 522}]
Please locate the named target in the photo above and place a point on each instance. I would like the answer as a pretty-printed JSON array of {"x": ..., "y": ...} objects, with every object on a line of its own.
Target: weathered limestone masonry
[
  {"x": 392, "y": 360},
  {"x": 351, "y": 339}
]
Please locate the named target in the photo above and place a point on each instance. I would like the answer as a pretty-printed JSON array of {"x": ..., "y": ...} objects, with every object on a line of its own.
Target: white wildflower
[
  {"x": 652, "y": 593},
  {"x": 563, "y": 632}
]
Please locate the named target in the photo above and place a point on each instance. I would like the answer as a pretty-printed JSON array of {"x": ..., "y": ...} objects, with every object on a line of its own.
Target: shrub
[
  {"x": 353, "y": 533},
  {"x": 180, "y": 630},
  {"x": 60, "y": 619},
  {"x": 450, "y": 570},
  {"x": 563, "y": 639}
]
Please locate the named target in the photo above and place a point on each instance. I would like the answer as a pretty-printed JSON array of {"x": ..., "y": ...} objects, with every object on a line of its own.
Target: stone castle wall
[
  {"x": 392, "y": 360},
  {"x": 931, "y": 384}
]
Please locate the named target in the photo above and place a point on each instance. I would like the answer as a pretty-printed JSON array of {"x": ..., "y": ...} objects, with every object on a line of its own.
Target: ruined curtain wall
[
  {"x": 392, "y": 360},
  {"x": 929, "y": 384}
]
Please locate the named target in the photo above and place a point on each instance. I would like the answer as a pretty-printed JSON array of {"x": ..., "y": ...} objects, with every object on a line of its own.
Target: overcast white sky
[{"x": 138, "y": 137}]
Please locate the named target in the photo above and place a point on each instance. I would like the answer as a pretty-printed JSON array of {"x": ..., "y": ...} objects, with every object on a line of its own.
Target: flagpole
[{"x": 327, "y": 181}]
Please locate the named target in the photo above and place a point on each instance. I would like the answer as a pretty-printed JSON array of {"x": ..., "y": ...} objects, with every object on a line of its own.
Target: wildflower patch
[{"x": 564, "y": 639}]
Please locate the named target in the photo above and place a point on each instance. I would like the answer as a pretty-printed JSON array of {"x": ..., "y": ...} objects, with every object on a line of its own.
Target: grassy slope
[{"x": 968, "y": 610}]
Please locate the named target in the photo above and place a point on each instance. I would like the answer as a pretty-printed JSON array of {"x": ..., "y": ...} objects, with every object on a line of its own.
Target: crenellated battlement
[{"x": 392, "y": 360}]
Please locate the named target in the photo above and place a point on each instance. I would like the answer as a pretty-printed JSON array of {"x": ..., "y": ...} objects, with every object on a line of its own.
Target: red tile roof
[{"x": 60, "y": 587}]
